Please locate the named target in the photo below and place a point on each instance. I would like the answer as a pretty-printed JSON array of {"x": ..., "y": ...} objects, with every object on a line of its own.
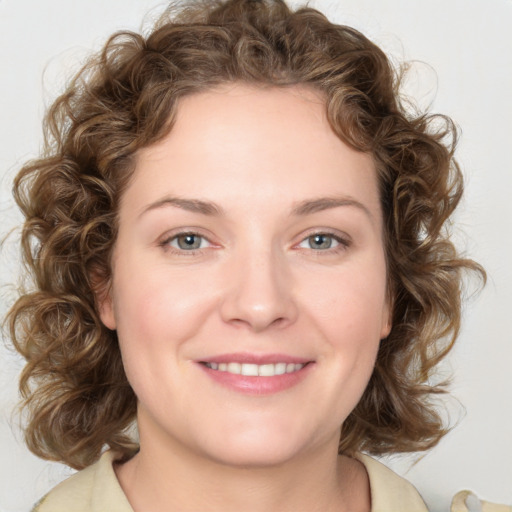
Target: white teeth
[
  {"x": 234, "y": 368},
  {"x": 267, "y": 370},
  {"x": 249, "y": 369},
  {"x": 280, "y": 368},
  {"x": 255, "y": 370}
]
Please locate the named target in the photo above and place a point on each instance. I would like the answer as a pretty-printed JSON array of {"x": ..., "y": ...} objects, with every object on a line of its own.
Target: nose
[{"x": 259, "y": 292}]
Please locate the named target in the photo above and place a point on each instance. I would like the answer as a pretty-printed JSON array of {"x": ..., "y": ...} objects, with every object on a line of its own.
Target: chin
[
  {"x": 257, "y": 448},
  {"x": 253, "y": 456}
]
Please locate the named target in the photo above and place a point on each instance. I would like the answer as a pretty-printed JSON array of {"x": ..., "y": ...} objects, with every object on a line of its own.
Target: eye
[
  {"x": 322, "y": 242},
  {"x": 187, "y": 242}
]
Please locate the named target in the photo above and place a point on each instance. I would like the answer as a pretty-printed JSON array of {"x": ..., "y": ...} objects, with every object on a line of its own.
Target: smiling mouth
[{"x": 256, "y": 370}]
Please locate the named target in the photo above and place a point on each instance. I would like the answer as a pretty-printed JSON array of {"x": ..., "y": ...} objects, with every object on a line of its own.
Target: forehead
[{"x": 255, "y": 143}]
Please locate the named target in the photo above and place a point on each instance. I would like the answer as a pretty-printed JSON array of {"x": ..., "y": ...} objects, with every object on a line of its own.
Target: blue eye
[{"x": 320, "y": 242}]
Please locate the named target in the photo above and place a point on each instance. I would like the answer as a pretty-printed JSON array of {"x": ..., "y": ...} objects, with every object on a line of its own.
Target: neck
[{"x": 172, "y": 477}]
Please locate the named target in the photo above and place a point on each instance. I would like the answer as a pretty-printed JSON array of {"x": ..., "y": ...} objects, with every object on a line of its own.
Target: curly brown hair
[{"x": 124, "y": 99}]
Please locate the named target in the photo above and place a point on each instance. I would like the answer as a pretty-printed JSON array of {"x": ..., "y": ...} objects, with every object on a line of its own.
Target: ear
[
  {"x": 106, "y": 310},
  {"x": 102, "y": 290},
  {"x": 387, "y": 315},
  {"x": 386, "y": 324}
]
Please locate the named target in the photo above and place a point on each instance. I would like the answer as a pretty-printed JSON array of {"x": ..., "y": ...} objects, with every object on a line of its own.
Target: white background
[{"x": 463, "y": 50}]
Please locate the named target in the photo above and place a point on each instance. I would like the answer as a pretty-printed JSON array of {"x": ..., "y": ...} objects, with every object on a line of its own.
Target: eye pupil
[
  {"x": 189, "y": 242},
  {"x": 320, "y": 241}
]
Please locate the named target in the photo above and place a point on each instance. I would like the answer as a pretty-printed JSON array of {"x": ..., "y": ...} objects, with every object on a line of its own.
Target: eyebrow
[
  {"x": 302, "y": 208},
  {"x": 325, "y": 203},
  {"x": 191, "y": 205}
]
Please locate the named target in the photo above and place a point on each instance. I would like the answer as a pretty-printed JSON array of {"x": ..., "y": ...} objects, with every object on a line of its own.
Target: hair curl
[{"x": 124, "y": 99}]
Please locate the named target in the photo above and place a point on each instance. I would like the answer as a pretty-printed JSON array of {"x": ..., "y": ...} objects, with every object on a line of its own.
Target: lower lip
[{"x": 257, "y": 385}]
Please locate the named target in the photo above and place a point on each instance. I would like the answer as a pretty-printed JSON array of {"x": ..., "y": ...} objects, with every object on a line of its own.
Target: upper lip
[{"x": 259, "y": 359}]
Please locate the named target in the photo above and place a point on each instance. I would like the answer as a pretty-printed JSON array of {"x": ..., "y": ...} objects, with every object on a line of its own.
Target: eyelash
[
  {"x": 343, "y": 243},
  {"x": 166, "y": 243}
]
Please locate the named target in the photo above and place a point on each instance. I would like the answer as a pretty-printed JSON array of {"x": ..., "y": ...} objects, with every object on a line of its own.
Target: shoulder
[
  {"x": 93, "y": 489},
  {"x": 390, "y": 492}
]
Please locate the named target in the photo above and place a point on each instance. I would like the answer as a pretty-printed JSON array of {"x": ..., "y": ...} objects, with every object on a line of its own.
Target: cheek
[
  {"x": 349, "y": 310},
  {"x": 350, "y": 304},
  {"x": 153, "y": 305},
  {"x": 157, "y": 314}
]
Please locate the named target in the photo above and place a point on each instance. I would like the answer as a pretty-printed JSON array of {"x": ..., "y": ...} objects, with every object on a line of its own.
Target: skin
[{"x": 257, "y": 284}]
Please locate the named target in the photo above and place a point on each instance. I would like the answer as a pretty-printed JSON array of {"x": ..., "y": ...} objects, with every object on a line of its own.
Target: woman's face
[{"x": 250, "y": 244}]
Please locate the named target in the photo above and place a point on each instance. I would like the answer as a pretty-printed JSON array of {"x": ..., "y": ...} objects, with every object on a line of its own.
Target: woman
[{"x": 236, "y": 235}]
